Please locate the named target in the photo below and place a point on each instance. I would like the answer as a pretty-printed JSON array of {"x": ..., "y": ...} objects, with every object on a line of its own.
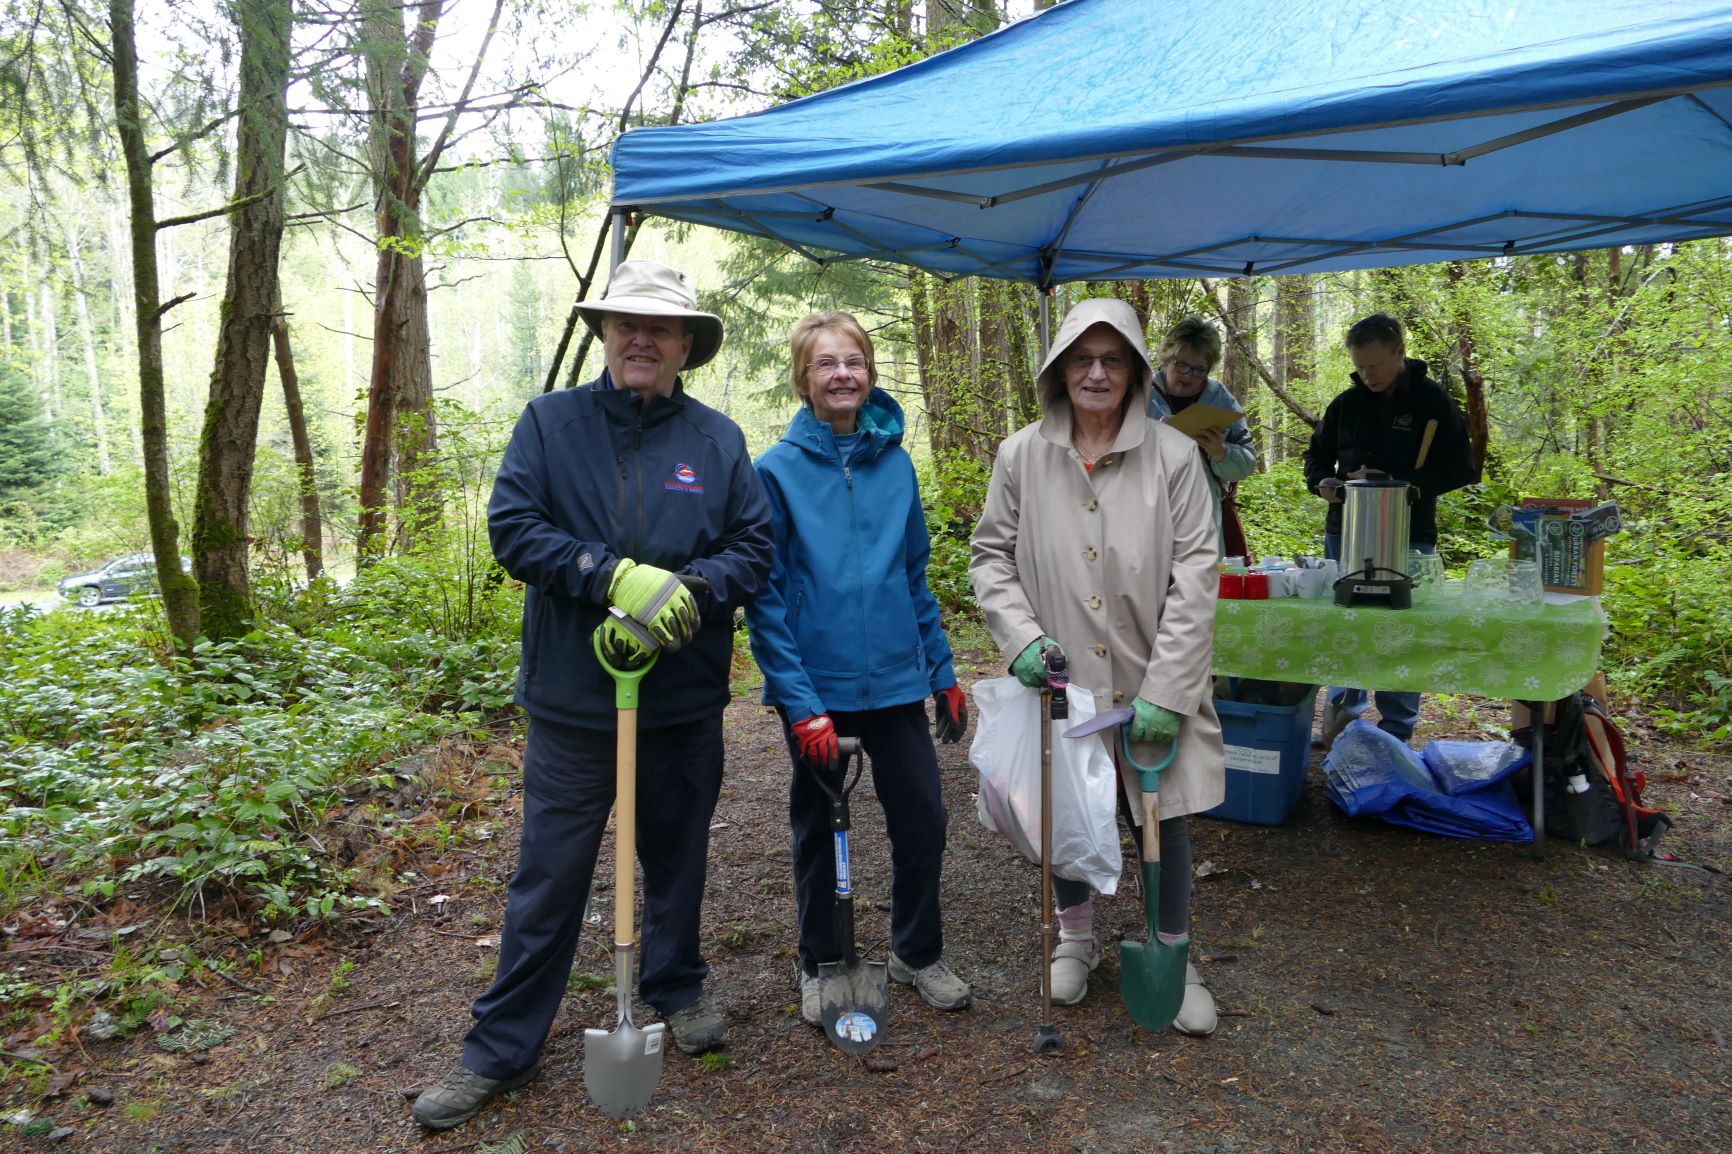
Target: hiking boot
[
  {"x": 1335, "y": 719},
  {"x": 811, "y": 1003},
  {"x": 459, "y": 1096},
  {"x": 1197, "y": 1012},
  {"x": 698, "y": 1026},
  {"x": 938, "y": 984},
  {"x": 1072, "y": 963}
]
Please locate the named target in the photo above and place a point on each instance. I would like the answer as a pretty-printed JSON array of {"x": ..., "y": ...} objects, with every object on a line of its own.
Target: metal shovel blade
[
  {"x": 854, "y": 1000},
  {"x": 1108, "y": 720},
  {"x": 621, "y": 1067},
  {"x": 1152, "y": 974}
]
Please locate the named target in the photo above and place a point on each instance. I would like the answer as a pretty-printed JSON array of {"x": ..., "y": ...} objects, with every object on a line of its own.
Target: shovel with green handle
[
  {"x": 621, "y": 1068},
  {"x": 1151, "y": 974}
]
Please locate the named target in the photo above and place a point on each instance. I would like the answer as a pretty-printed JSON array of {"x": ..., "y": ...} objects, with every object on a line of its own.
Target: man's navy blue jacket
[{"x": 593, "y": 476}]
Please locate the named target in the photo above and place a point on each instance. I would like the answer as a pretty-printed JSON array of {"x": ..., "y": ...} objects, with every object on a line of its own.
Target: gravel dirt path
[{"x": 1381, "y": 990}]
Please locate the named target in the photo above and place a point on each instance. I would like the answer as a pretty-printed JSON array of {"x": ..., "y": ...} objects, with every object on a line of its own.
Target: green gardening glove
[
  {"x": 621, "y": 648},
  {"x": 657, "y": 599},
  {"x": 1153, "y": 722},
  {"x": 1029, "y": 666}
]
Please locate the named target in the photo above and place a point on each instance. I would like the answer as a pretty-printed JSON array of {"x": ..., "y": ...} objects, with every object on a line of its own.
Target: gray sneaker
[
  {"x": 698, "y": 1027},
  {"x": 459, "y": 1096},
  {"x": 1334, "y": 720},
  {"x": 938, "y": 984},
  {"x": 811, "y": 1001}
]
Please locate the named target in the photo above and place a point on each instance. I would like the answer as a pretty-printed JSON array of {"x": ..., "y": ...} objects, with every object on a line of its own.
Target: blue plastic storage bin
[{"x": 1268, "y": 750}]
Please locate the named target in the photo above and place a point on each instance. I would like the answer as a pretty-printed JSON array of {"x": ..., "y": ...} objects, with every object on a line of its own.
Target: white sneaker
[
  {"x": 1072, "y": 963},
  {"x": 1197, "y": 1015}
]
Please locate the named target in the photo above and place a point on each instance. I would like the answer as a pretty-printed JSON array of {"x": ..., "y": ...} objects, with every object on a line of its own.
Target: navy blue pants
[
  {"x": 905, "y": 776},
  {"x": 568, "y": 792}
]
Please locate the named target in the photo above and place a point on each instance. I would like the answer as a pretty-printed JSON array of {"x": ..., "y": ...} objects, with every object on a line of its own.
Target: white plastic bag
[{"x": 1006, "y": 753}]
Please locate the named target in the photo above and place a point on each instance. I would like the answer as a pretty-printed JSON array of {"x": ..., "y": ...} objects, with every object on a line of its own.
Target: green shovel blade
[{"x": 1152, "y": 974}]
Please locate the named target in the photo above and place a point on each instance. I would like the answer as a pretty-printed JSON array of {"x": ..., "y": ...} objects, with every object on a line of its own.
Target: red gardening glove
[
  {"x": 817, "y": 738},
  {"x": 951, "y": 706}
]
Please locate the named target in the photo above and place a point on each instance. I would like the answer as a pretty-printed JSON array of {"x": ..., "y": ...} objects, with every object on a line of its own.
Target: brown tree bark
[
  {"x": 1473, "y": 382},
  {"x": 312, "y": 524},
  {"x": 179, "y": 590},
  {"x": 237, "y": 387},
  {"x": 1245, "y": 346},
  {"x": 87, "y": 332},
  {"x": 396, "y": 61}
]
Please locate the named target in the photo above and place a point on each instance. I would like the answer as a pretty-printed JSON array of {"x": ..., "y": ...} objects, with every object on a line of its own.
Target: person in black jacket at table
[
  {"x": 1379, "y": 425},
  {"x": 625, "y": 492}
]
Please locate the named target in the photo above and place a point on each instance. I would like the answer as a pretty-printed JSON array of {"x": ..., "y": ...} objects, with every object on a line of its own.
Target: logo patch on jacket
[
  {"x": 684, "y": 480},
  {"x": 1402, "y": 421}
]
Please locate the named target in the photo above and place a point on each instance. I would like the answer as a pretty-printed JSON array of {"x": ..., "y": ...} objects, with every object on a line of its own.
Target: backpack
[{"x": 1582, "y": 741}]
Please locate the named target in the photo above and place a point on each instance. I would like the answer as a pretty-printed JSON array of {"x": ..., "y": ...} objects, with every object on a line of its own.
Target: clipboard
[{"x": 1197, "y": 417}]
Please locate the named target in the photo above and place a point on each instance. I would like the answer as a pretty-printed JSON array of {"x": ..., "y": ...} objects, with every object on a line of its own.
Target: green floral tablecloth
[{"x": 1530, "y": 653}]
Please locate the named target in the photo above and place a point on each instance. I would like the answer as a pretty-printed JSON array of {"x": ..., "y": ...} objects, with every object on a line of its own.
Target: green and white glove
[
  {"x": 1153, "y": 722},
  {"x": 659, "y": 601},
  {"x": 1030, "y": 666}
]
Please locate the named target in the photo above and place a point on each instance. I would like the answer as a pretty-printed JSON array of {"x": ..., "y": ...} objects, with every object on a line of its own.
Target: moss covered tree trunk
[
  {"x": 237, "y": 386},
  {"x": 179, "y": 591}
]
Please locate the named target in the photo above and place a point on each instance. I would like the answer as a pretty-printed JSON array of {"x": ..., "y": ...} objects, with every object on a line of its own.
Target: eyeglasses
[
  {"x": 1083, "y": 362},
  {"x": 829, "y": 366},
  {"x": 1186, "y": 369}
]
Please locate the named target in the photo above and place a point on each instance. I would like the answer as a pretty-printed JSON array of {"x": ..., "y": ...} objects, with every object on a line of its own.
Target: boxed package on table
[
  {"x": 1267, "y": 731},
  {"x": 1569, "y": 537}
]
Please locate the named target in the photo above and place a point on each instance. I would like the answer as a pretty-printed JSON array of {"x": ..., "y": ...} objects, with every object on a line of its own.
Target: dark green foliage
[{"x": 29, "y": 460}]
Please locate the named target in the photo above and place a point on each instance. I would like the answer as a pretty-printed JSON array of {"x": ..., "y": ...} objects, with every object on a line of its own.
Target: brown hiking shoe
[
  {"x": 699, "y": 1026},
  {"x": 459, "y": 1096}
]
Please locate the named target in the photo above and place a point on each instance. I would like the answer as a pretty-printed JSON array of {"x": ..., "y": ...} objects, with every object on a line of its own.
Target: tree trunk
[
  {"x": 179, "y": 590},
  {"x": 312, "y": 527},
  {"x": 395, "y": 67},
  {"x": 243, "y": 352},
  {"x": 92, "y": 374},
  {"x": 417, "y": 431},
  {"x": 1473, "y": 383}
]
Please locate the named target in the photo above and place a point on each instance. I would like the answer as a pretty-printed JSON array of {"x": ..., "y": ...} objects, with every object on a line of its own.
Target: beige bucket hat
[
  {"x": 1083, "y": 316},
  {"x": 646, "y": 288}
]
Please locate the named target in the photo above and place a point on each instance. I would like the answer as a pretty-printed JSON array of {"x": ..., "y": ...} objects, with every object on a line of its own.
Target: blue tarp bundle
[
  {"x": 1121, "y": 139},
  {"x": 1454, "y": 788}
]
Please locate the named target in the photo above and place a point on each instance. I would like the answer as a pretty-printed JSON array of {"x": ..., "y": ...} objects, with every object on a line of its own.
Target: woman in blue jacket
[{"x": 850, "y": 642}]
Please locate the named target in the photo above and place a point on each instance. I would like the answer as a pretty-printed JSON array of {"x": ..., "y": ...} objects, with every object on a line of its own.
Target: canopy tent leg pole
[
  {"x": 1045, "y": 322},
  {"x": 616, "y": 251}
]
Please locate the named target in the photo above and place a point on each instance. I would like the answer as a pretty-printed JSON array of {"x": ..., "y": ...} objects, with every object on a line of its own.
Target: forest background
[{"x": 279, "y": 277}]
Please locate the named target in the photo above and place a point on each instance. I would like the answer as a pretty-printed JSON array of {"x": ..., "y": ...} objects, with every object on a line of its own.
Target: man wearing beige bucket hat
[{"x": 626, "y": 492}]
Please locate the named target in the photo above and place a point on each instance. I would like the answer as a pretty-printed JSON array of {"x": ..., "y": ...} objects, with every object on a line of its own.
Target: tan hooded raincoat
[{"x": 1118, "y": 565}]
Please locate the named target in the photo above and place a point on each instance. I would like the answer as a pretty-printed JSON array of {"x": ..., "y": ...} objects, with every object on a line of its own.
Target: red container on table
[
  {"x": 1233, "y": 586},
  {"x": 1256, "y": 586}
]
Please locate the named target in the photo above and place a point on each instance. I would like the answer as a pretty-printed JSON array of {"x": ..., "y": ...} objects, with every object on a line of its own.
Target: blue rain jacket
[
  {"x": 846, "y": 621},
  {"x": 592, "y": 476}
]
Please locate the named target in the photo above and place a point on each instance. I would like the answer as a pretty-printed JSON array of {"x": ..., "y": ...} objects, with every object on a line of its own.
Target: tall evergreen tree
[{"x": 28, "y": 460}]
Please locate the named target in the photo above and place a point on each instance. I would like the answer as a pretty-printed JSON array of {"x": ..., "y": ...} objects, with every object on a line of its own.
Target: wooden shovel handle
[
  {"x": 1152, "y": 825},
  {"x": 625, "y": 827},
  {"x": 1425, "y": 443}
]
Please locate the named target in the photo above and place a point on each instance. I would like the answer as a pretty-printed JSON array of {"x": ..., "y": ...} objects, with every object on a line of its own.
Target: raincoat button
[
  {"x": 1092, "y": 505},
  {"x": 1118, "y": 696},
  {"x": 1089, "y": 554},
  {"x": 1094, "y": 602},
  {"x": 1100, "y": 650}
]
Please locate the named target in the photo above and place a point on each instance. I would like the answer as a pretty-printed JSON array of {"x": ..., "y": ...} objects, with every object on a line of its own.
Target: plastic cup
[
  {"x": 1256, "y": 586},
  {"x": 1232, "y": 586}
]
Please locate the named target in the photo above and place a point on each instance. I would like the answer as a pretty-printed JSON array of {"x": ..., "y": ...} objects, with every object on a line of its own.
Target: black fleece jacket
[{"x": 1362, "y": 429}]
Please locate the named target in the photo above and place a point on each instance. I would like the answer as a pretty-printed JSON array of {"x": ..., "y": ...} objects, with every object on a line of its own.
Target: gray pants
[{"x": 1175, "y": 894}]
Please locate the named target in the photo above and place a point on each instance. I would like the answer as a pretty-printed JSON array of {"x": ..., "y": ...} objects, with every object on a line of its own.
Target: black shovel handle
[{"x": 839, "y": 826}]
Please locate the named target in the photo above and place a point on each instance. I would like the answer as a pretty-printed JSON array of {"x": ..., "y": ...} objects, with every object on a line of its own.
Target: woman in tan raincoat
[{"x": 1099, "y": 535}]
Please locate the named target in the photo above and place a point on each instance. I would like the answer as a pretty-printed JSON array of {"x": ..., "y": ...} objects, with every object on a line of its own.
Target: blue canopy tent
[{"x": 1120, "y": 139}]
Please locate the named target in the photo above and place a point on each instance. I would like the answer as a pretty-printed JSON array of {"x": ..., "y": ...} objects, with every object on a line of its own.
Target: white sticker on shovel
[{"x": 652, "y": 1044}]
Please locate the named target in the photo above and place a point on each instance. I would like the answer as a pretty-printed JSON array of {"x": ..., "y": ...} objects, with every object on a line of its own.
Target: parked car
[{"x": 132, "y": 575}]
